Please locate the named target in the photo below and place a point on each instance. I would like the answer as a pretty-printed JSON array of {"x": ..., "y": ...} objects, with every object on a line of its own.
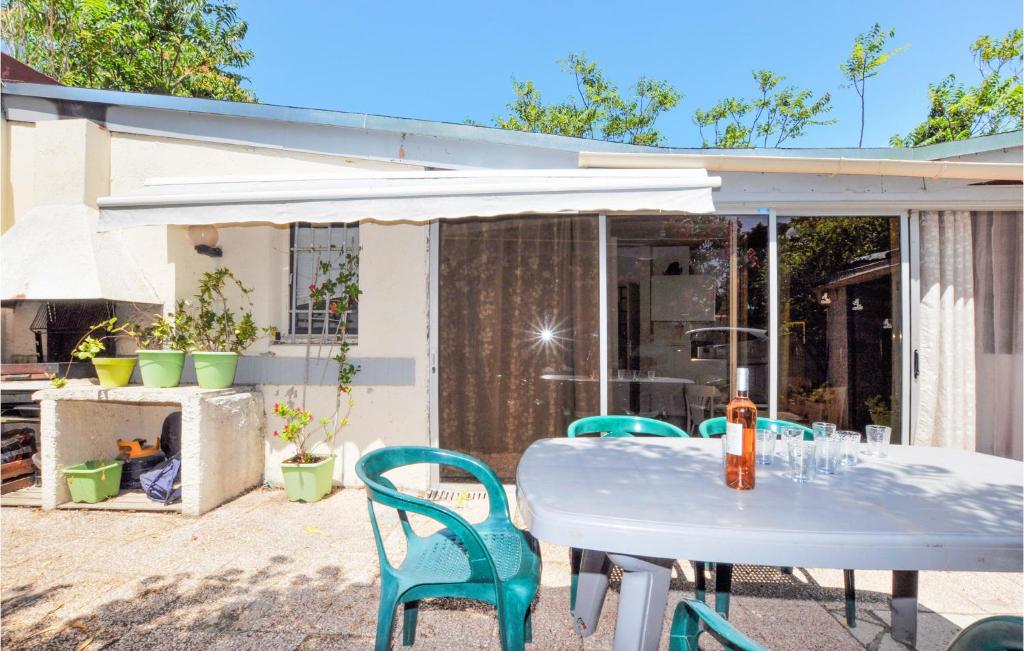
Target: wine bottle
[{"x": 741, "y": 435}]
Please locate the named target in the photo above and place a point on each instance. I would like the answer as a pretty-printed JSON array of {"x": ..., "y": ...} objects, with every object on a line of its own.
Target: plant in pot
[
  {"x": 307, "y": 476},
  {"x": 220, "y": 334},
  {"x": 111, "y": 371},
  {"x": 335, "y": 288},
  {"x": 162, "y": 347}
]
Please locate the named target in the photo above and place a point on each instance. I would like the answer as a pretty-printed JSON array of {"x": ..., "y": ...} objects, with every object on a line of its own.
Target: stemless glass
[
  {"x": 827, "y": 453},
  {"x": 765, "y": 449},
  {"x": 849, "y": 448},
  {"x": 801, "y": 460},
  {"x": 651, "y": 375},
  {"x": 878, "y": 440},
  {"x": 823, "y": 430},
  {"x": 620, "y": 374},
  {"x": 789, "y": 435}
]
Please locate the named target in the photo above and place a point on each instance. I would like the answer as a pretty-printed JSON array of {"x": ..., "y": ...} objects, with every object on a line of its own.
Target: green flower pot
[
  {"x": 161, "y": 368},
  {"x": 308, "y": 482},
  {"x": 114, "y": 371},
  {"x": 94, "y": 481},
  {"x": 215, "y": 370}
]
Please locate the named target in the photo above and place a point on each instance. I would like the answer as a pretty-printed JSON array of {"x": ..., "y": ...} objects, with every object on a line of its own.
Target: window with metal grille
[{"x": 312, "y": 245}]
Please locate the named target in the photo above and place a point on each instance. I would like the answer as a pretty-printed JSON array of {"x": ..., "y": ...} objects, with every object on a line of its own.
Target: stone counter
[{"x": 221, "y": 436}]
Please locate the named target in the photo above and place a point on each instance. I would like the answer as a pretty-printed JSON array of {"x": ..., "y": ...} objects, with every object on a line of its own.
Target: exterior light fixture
[
  {"x": 204, "y": 239},
  {"x": 825, "y": 300},
  {"x": 857, "y": 305}
]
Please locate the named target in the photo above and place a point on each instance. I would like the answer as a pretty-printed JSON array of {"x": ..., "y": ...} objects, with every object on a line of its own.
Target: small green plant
[
  {"x": 89, "y": 346},
  {"x": 171, "y": 331},
  {"x": 879, "y": 409},
  {"x": 337, "y": 292},
  {"x": 215, "y": 326},
  {"x": 294, "y": 431}
]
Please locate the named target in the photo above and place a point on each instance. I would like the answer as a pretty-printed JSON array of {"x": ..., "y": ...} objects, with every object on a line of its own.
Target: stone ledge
[{"x": 138, "y": 393}]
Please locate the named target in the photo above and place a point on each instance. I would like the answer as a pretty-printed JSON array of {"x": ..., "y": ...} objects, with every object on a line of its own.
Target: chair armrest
[
  {"x": 693, "y": 617},
  {"x": 481, "y": 564}
]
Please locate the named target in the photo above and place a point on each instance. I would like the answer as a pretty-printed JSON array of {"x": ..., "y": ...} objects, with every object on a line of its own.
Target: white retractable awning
[
  {"x": 408, "y": 196},
  {"x": 54, "y": 253}
]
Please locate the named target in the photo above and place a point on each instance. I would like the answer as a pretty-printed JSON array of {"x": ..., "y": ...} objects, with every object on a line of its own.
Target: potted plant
[
  {"x": 307, "y": 476},
  {"x": 111, "y": 371},
  {"x": 335, "y": 287},
  {"x": 219, "y": 334},
  {"x": 162, "y": 347}
]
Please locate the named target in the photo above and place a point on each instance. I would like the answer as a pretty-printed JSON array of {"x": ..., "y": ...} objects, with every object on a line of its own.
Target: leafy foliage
[
  {"x": 216, "y": 327},
  {"x": 774, "y": 116},
  {"x": 993, "y": 106},
  {"x": 865, "y": 61},
  {"x": 191, "y": 48},
  {"x": 336, "y": 288},
  {"x": 598, "y": 111},
  {"x": 172, "y": 331},
  {"x": 294, "y": 431}
]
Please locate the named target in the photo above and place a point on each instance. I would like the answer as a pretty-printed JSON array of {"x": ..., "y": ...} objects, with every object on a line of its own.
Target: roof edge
[{"x": 481, "y": 133}]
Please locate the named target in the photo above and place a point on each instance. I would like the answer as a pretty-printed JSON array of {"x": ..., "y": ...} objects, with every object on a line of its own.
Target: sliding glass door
[
  {"x": 840, "y": 321},
  {"x": 520, "y": 338},
  {"x": 687, "y": 304},
  {"x": 518, "y": 353}
]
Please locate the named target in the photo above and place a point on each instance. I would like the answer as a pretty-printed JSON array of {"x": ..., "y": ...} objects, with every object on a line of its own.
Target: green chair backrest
[
  {"x": 623, "y": 427},
  {"x": 371, "y": 468},
  {"x": 716, "y": 427},
  {"x": 999, "y": 633}
]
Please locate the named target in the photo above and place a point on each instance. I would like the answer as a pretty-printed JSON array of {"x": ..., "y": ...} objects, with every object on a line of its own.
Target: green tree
[
  {"x": 773, "y": 117},
  {"x": 598, "y": 111},
  {"x": 865, "y": 61},
  {"x": 191, "y": 48},
  {"x": 994, "y": 105}
]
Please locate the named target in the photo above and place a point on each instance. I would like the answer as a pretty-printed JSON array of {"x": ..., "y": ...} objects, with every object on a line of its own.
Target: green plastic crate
[{"x": 94, "y": 481}]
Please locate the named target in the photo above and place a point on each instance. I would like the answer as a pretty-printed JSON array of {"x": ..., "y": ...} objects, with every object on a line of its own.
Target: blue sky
[{"x": 455, "y": 60}]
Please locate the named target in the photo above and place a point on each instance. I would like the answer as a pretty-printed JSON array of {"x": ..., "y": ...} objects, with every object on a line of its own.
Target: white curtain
[
  {"x": 998, "y": 348},
  {"x": 946, "y": 397}
]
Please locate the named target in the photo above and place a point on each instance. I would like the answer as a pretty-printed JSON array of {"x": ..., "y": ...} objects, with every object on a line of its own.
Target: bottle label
[{"x": 734, "y": 438}]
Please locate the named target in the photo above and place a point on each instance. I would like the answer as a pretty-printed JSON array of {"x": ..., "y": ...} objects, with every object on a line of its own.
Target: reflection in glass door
[
  {"x": 687, "y": 304},
  {"x": 840, "y": 326}
]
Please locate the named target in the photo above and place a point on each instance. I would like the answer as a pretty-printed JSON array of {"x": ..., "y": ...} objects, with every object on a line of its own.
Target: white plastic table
[{"x": 647, "y": 501}]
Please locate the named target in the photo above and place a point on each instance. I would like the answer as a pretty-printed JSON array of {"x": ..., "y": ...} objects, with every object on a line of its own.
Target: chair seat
[{"x": 442, "y": 558}]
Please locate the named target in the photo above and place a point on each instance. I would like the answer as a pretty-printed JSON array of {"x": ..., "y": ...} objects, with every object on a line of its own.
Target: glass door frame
[{"x": 909, "y": 285}]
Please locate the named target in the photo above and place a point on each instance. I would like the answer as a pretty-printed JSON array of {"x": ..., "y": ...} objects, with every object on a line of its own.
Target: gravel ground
[{"x": 263, "y": 573}]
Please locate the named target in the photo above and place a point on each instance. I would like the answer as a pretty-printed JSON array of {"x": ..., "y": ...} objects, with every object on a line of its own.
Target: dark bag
[{"x": 158, "y": 483}]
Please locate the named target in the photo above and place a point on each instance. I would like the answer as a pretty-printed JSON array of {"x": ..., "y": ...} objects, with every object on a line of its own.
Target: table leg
[
  {"x": 904, "y": 607},
  {"x": 591, "y": 587},
  {"x": 642, "y": 602},
  {"x": 723, "y": 588}
]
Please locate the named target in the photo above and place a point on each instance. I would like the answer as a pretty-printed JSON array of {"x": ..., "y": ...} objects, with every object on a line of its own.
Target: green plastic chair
[
  {"x": 693, "y": 617},
  {"x": 613, "y": 427},
  {"x": 999, "y": 633},
  {"x": 493, "y": 561},
  {"x": 714, "y": 427},
  {"x": 623, "y": 427}
]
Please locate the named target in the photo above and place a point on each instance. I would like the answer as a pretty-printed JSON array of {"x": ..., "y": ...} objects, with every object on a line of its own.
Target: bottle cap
[{"x": 742, "y": 379}]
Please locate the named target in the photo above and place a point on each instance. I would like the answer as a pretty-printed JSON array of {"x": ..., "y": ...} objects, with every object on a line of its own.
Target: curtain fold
[
  {"x": 999, "y": 311},
  {"x": 946, "y": 398}
]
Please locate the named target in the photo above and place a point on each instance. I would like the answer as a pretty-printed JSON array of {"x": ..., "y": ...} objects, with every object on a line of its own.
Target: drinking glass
[
  {"x": 789, "y": 435},
  {"x": 827, "y": 453},
  {"x": 650, "y": 375},
  {"x": 620, "y": 374},
  {"x": 636, "y": 375},
  {"x": 849, "y": 448},
  {"x": 801, "y": 460},
  {"x": 823, "y": 430},
  {"x": 878, "y": 440},
  {"x": 765, "y": 449}
]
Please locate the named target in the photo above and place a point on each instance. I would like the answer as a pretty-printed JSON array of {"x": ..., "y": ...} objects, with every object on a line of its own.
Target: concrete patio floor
[{"x": 263, "y": 573}]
